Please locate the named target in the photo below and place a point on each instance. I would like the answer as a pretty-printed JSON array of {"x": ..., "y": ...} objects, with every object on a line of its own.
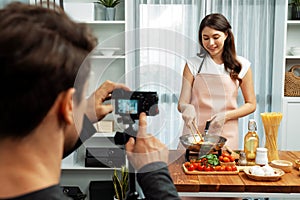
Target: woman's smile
[{"x": 213, "y": 41}]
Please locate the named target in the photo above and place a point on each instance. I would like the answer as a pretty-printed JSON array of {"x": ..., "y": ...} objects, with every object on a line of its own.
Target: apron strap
[{"x": 201, "y": 64}]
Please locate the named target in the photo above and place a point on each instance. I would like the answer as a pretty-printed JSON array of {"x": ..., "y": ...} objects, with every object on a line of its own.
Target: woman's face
[{"x": 213, "y": 41}]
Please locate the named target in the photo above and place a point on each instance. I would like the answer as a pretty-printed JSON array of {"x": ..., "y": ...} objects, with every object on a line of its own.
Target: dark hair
[
  {"x": 219, "y": 22},
  {"x": 41, "y": 51}
]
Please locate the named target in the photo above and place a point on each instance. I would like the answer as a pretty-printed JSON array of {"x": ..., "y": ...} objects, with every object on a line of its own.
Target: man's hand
[
  {"x": 146, "y": 148},
  {"x": 188, "y": 114},
  {"x": 96, "y": 110}
]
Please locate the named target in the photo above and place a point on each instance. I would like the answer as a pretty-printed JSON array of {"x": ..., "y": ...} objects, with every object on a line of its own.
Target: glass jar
[
  {"x": 261, "y": 156},
  {"x": 242, "y": 160}
]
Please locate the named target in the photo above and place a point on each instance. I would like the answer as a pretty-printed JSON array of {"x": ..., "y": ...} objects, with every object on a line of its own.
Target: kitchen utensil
[
  {"x": 261, "y": 157},
  {"x": 195, "y": 139},
  {"x": 278, "y": 174},
  {"x": 196, "y": 172},
  {"x": 211, "y": 142},
  {"x": 207, "y": 127},
  {"x": 285, "y": 165},
  {"x": 198, "y": 132},
  {"x": 297, "y": 164}
]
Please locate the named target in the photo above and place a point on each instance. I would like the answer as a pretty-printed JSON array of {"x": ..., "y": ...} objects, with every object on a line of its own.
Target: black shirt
[{"x": 51, "y": 193}]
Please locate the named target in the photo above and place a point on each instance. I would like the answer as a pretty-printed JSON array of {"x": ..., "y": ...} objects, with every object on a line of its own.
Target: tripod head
[{"x": 121, "y": 138}]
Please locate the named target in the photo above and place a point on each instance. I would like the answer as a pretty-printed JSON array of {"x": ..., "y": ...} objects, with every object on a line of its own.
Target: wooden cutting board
[{"x": 196, "y": 172}]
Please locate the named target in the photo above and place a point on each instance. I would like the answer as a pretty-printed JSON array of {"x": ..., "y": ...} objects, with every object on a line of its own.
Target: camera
[{"x": 132, "y": 103}]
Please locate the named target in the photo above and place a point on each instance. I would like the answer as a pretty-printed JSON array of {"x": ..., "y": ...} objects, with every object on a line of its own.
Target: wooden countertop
[{"x": 289, "y": 183}]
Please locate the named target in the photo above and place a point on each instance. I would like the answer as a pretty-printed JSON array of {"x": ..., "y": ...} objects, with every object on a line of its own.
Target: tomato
[
  {"x": 228, "y": 168},
  {"x": 226, "y": 159},
  {"x": 223, "y": 168},
  {"x": 192, "y": 160},
  {"x": 191, "y": 167},
  {"x": 234, "y": 168},
  {"x": 187, "y": 164},
  {"x": 200, "y": 167},
  {"x": 218, "y": 168},
  {"x": 196, "y": 165},
  {"x": 208, "y": 168},
  {"x": 221, "y": 158},
  {"x": 232, "y": 159},
  {"x": 225, "y": 154}
]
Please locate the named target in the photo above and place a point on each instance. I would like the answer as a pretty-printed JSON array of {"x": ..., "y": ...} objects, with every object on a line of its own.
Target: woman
[{"x": 211, "y": 81}]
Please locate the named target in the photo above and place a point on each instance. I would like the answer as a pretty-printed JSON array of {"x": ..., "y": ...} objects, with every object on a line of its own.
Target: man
[{"x": 41, "y": 51}]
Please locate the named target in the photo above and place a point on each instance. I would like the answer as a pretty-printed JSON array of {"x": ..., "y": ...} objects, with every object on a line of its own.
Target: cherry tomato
[
  {"x": 196, "y": 165},
  {"x": 232, "y": 159},
  {"x": 234, "y": 168},
  {"x": 191, "y": 167},
  {"x": 221, "y": 158},
  {"x": 228, "y": 168},
  {"x": 201, "y": 168},
  {"x": 208, "y": 168},
  {"x": 223, "y": 168},
  {"x": 218, "y": 168},
  {"x": 226, "y": 159},
  {"x": 225, "y": 154},
  {"x": 187, "y": 164}
]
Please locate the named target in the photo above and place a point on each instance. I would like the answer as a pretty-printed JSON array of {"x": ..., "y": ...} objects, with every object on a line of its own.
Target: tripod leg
[{"x": 133, "y": 194}]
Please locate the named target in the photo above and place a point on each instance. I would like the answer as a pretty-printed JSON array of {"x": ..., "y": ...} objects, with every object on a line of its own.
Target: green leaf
[{"x": 108, "y": 3}]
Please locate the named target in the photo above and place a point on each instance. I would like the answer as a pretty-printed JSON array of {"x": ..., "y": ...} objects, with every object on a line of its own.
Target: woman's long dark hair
[{"x": 219, "y": 22}]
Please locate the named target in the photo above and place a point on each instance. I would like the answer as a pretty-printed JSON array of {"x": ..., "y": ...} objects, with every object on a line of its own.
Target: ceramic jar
[{"x": 261, "y": 156}]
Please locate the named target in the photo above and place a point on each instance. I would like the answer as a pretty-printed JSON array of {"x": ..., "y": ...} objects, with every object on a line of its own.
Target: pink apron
[{"x": 212, "y": 94}]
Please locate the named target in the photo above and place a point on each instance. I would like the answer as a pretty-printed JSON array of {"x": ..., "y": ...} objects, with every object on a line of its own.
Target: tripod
[{"x": 121, "y": 138}]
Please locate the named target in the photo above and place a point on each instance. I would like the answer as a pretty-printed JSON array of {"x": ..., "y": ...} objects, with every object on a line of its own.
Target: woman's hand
[
  {"x": 96, "y": 110},
  {"x": 188, "y": 113},
  {"x": 217, "y": 122}
]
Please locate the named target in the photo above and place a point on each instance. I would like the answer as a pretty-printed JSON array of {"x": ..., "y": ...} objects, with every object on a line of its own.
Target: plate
[
  {"x": 278, "y": 174},
  {"x": 196, "y": 172}
]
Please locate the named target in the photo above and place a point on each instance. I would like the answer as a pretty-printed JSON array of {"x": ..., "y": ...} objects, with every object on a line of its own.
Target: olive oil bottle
[{"x": 251, "y": 142}]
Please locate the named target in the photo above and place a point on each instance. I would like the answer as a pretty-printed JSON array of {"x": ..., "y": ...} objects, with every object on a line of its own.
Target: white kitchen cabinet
[
  {"x": 110, "y": 34},
  {"x": 290, "y": 124},
  {"x": 288, "y": 137}
]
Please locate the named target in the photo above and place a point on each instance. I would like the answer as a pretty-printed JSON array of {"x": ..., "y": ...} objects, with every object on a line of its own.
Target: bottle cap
[{"x": 252, "y": 125}]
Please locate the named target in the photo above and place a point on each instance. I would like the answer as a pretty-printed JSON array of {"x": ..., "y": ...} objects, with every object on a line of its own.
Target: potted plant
[
  {"x": 120, "y": 181},
  {"x": 295, "y": 9},
  {"x": 109, "y": 7}
]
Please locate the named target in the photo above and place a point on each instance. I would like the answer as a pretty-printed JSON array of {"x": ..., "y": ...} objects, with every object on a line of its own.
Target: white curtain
[
  {"x": 5, "y": 2},
  {"x": 169, "y": 34},
  {"x": 252, "y": 22}
]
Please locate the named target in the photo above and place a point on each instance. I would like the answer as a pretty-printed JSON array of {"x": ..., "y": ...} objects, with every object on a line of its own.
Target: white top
[{"x": 210, "y": 67}]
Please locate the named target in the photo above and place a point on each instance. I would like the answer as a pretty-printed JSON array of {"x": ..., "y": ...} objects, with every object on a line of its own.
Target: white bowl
[
  {"x": 295, "y": 51},
  {"x": 106, "y": 51},
  {"x": 285, "y": 165}
]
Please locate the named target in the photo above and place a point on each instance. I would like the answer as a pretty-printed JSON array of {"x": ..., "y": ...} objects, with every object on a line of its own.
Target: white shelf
[
  {"x": 291, "y": 99},
  {"x": 293, "y": 22},
  {"x": 108, "y": 57},
  {"x": 82, "y": 167},
  {"x": 99, "y": 22},
  {"x": 292, "y": 57},
  {"x": 112, "y": 134}
]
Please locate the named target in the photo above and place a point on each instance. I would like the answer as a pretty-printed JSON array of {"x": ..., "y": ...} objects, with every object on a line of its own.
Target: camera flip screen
[{"x": 127, "y": 106}]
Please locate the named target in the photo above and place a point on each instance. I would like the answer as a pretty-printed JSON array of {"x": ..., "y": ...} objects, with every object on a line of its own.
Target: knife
[{"x": 207, "y": 127}]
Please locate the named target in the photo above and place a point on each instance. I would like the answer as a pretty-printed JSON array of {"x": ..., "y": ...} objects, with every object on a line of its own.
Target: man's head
[{"x": 41, "y": 51}]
